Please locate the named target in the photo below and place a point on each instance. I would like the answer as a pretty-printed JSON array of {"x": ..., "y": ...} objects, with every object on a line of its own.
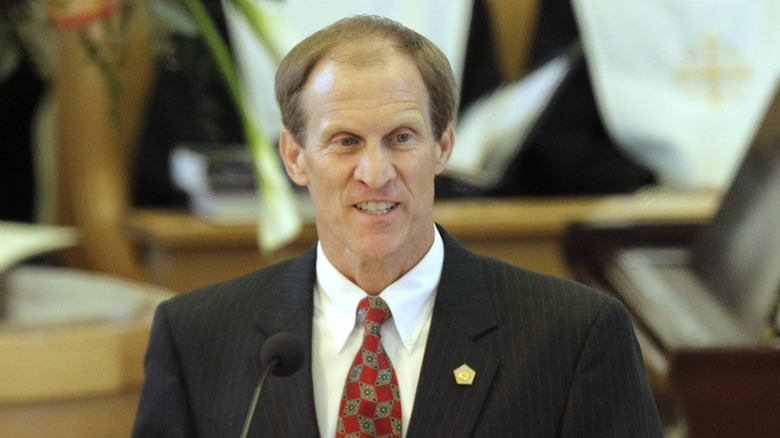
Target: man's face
[{"x": 369, "y": 160}]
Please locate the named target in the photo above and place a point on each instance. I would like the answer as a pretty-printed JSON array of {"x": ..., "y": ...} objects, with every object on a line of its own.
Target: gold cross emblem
[{"x": 714, "y": 68}]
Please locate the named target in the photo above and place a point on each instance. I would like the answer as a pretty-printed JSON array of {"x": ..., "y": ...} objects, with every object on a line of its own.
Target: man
[{"x": 367, "y": 106}]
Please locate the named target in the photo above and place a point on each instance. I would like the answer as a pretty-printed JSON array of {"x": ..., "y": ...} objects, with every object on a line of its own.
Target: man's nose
[{"x": 375, "y": 167}]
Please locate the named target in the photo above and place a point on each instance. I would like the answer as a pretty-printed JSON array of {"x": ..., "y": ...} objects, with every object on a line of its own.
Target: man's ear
[
  {"x": 293, "y": 157},
  {"x": 444, "y": 148}
]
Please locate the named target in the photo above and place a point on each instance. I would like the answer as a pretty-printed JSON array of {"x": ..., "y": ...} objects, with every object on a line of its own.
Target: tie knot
[{"x": 373, "y": 311}]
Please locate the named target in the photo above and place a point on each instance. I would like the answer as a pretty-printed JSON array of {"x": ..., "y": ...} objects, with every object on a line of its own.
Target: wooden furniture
[
  {"x": 721, "y": 392},
  {"x": 181, "y": 252},
  {"x": 71, "y": 353}
]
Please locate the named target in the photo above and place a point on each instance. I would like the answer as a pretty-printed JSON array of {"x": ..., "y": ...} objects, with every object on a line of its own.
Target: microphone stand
[{"x": 250, "y": 414}]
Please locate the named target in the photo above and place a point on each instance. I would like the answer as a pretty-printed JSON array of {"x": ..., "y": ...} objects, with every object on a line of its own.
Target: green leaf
[{"x": 175, "y": 17}]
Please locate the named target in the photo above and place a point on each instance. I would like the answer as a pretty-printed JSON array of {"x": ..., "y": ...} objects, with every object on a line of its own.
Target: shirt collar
[{"x": 410, "y": 298}]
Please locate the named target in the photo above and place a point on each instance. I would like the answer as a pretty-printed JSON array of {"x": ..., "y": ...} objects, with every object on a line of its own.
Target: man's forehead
[
  {"x": 334, "y": 87},
  {"x": 378, "y": 55},
  {"x": 369, "y": 59}
]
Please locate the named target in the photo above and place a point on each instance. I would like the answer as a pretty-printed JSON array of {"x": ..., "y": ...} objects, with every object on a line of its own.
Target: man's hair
[{"x": 346, "y": 37}]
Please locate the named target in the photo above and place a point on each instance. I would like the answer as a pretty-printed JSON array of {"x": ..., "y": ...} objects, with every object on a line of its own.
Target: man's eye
[
  {"x": 403, "y": 138},
  {"x": 347, "y": 141}
]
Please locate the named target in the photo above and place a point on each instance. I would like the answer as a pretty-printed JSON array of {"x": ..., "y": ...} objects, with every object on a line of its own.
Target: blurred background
[{"x": 119, "y": 136}]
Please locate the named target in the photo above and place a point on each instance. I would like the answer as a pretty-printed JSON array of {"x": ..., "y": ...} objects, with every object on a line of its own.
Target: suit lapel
[
  {"x": 463, "y": 312},
  {"x": 286, "y": 406}
]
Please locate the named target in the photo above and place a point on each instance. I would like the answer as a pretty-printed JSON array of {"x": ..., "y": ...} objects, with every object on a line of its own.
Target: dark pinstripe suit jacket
[{"x": 552, "y": 358}]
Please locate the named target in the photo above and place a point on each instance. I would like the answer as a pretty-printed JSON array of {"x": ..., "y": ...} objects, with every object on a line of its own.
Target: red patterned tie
[{"x": 371, "y": 401}]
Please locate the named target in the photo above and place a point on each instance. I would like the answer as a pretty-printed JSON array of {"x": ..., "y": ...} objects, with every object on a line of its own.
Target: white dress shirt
[{"x": 337, "y": 334}]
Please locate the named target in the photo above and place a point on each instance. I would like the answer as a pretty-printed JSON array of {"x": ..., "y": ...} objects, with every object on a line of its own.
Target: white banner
[{"x": 683, "y": 84}]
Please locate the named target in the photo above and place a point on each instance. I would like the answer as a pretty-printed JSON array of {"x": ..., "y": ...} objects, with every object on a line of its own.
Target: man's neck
[{"x": 375, "y": 275}]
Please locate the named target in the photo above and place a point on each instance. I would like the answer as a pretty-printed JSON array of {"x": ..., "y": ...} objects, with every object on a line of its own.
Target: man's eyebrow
[
  {"x": 408, "y": 118},
  {"x": 333, "y": 127}
]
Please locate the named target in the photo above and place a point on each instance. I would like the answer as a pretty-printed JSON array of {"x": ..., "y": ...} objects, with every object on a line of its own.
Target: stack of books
[{"x": 220, "y": 182}]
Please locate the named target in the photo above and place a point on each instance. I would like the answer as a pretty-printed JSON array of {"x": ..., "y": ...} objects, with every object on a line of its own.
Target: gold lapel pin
[{"x": 464, "y": 375}]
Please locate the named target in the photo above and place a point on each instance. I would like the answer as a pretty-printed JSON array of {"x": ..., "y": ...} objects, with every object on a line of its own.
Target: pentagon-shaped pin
[{"x": 464, "y": 375}]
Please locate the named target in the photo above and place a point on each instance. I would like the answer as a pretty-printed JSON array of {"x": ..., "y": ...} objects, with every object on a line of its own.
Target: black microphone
[{"x": 282, "y": 354}]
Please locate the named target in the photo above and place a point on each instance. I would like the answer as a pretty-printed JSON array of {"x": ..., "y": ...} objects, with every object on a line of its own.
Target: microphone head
[{"x": 284, "y": 348}]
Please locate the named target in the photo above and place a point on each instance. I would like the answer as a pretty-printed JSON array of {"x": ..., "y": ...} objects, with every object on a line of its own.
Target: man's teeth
[{"x": 376, "y": 207}]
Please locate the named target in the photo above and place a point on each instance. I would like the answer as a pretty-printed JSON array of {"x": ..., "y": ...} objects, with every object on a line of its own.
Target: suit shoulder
[
  {"x": 513, "y": 282},
  {"x": 509, "y": 282},
  {"x": 246, "y": 288}
]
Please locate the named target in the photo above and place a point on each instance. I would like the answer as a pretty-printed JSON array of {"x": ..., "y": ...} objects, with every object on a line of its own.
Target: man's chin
[
  {"x": 377, "y": 247},
  {"x": 388, "y": 246}
]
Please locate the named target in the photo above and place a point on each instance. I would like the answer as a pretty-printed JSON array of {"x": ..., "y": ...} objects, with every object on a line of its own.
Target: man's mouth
[{"x": 376, "y": 207}]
